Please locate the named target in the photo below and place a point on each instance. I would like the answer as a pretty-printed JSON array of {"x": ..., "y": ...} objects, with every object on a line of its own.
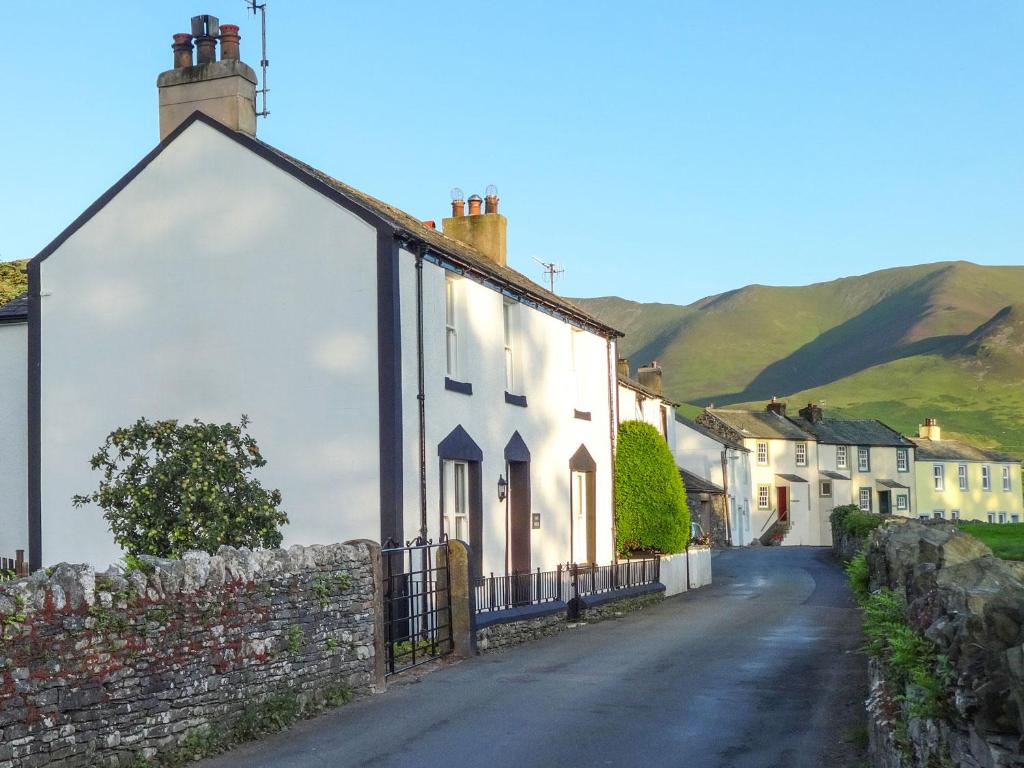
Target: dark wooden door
[
  {"x": 519, "y": 515},
  {"x": 783, "y": 496},
  {"x": 885, "y": 502}
]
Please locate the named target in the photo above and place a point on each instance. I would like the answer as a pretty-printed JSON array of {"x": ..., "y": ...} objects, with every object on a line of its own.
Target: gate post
[
  {"x": 379, "y": 638},
  {"x": 460, "y": 606}
]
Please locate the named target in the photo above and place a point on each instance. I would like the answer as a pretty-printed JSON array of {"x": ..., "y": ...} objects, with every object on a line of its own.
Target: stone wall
[
  {"x": 971, "y": 605},
  {"x": 100, "y": 669},
  {"x": 846, "y": 545}
]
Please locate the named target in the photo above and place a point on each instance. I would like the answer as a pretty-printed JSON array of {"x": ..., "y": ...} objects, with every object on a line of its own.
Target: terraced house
[
  {"x": 959, "y": 481},
  {"x": 402, "y": 381}
]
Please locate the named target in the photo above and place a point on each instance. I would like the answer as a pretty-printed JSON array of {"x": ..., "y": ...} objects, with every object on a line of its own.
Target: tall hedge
[{"x": 650, "y": 501}]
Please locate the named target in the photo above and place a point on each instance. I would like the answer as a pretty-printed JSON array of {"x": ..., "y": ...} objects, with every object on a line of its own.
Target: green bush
[
  {"x": 857, "y": 573},
  {"x": 169, "y": 487},
  {"x": 852, "y": 520},
  {"x": 650, "y": 501}
]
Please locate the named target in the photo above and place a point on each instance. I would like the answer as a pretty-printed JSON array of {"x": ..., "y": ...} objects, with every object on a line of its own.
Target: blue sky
[{"x": 659, "y": 151}]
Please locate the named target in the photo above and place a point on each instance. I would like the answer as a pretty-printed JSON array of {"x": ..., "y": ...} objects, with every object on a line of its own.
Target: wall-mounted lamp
[{"x": 502, "y": 488}]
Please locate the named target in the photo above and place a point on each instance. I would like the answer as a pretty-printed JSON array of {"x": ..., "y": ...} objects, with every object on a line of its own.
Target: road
[{"x": 757, "y": 670}]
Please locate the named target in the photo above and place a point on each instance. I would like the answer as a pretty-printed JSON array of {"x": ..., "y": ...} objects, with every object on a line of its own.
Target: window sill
[
  {"x": 519, "y": 400},
  {"x": 462, "y": 387},
  {"x": 582, "y": 415}
]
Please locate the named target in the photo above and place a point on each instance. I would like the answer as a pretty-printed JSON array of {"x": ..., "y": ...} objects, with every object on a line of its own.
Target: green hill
[
  {"x": 13, "y": 280},
  {"x": 943, "y": 340}
]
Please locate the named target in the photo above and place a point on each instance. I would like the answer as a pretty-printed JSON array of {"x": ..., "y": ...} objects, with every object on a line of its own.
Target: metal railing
[
  {"x": 566, "y": 582},
  {"x": 13, "y": 567}
]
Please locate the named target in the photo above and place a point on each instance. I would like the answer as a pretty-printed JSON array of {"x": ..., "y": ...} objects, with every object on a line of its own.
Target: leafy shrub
[
  {"x": 650, "y": 501},
  {"x": 852, "y": 520},
  {"x": 857, "y": 573},
  {"x": 169, "y": 487}
]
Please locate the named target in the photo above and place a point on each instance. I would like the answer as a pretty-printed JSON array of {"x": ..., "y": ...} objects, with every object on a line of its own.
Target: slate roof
[
  {"x": 954, "y": 450},
  {"x": 708, "y": 433},
  {"x": 760, "y": 424},
  {"x": 852, "y": 432},
  {"x": 645, "y": 391},
  {"x": 833, "y": 475},
  {"x": 15, "y": 311},
  {"x": 695, "y": 484}
]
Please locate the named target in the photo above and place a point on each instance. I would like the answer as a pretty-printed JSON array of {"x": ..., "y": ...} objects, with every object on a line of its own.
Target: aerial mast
[{"x": 261, "y": 8}]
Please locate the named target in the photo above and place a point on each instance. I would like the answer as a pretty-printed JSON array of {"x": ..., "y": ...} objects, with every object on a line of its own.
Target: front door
[
  {"x": 579, "y": 517},
  {"x": 885, "y": 502},
  {"x": 783, "y": 499},
  {"x": 519, "y": 516}
]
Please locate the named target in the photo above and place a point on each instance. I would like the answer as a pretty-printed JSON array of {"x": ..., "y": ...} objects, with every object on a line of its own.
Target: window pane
[
  {"x": 460, "y": 488},
  {"x": 449, "y": 302}
]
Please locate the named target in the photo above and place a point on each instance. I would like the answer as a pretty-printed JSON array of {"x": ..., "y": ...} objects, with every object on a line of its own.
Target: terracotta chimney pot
[
  {"x": 474, "y": 205},
  {"x": 229, "y": 37},
  {"x": 182, "y": 48}
]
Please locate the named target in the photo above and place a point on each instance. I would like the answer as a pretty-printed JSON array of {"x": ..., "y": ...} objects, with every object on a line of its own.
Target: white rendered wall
[
  {"x": 544, "y": 374},
  {"x": 804, "y": 507},
  {"x": 214, "y": 285},
  {"x": 635, "y": 406},
  {"x": 13, "y": 439}
]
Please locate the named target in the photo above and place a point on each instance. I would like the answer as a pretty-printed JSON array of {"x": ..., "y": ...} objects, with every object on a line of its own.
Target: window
[
  {"x": 954, "y": 515},
  {"x": 841, "y": 459},
  {"x": 507, "y": 310},
  {"x": 1014, "y": 518},
  {"x": 864, "y": 499},
  {"x": 961, "y": 476},
  {"x": 451, "y": 331},
  {"x": 986, "y": 477},
  {"x": 901, "y": 501},
  {"x": 863, "y": 459},
  {"x": 764, "y": 496},
  {"x": 801, "y": 454},
  {"x": 939, "y": 514},
  {"x": 1006, "y": 479},
  {"x": 939, "y": 477},
  {"x": 762, "y": 453},
  {"x": 902, "y": 460},
  {"x": 1002, "y": 517},
  {"x": 991, "y": 517},
  {"x": 456, "y": 499},
  {"x": 825, "y": 489},
  {"x": 923, "y": 517}
]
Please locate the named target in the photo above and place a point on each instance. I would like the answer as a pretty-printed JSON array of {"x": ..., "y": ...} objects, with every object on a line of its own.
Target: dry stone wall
[
  {"x": 100, "y": 669},
  {"x": 971, "y": 605}
]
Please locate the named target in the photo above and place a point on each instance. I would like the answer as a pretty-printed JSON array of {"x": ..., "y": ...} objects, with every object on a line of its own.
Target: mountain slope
[{"x": 946, "y": 336}]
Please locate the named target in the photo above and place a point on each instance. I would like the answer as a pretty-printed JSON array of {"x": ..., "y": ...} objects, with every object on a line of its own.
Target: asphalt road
[{"x": 757, "y": 670}]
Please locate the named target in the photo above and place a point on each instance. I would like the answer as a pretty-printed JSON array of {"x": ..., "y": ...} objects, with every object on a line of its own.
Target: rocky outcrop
[{"x": 971, "y": 605}]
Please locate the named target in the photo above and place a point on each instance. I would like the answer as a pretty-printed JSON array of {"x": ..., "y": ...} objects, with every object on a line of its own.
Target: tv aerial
[
  {"x": 261, "y": 8},
  {"x": 552, "y": 271}
]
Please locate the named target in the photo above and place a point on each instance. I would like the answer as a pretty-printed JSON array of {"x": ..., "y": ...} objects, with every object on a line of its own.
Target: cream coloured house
[{"x": 959, "y": 481}]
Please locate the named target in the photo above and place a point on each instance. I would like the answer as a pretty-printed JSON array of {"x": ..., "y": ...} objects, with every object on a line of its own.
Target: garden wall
[
  {"x": 971, "y": 605},
  {"x": 100, "y": 669},
  {"x": 686, "y": 570}
]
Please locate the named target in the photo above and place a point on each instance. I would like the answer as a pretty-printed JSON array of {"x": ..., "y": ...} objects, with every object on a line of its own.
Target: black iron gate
[{"x": 417, "y": 603}]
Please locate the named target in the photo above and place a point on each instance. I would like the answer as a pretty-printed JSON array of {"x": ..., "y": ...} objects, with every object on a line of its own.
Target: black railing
[{"x": 566, "y": 582}]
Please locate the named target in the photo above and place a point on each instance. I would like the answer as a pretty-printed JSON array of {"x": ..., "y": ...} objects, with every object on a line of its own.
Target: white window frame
[
  {"x": 1007, "y": 482},
  {"x": 991, "y": 517},
  {"x": 986, "y": 477},
  {"x": 939, "y": 514},
  {"x": 902, "y": 460},
  {"x": 451, "y": 325},
  {"x": 1002, "y": 518},
  {"x": 954, "y": 514},
  {"x": 456, "y": 499},
  {"x": 801, "y": 454},
  {"x": 825, "y": 489},
  {"x": 508, "y": 309},
  {"x": 764, "y": 497},
  {"x": 862, "y": 494},
  {"x": 961, "y": 477},
  {"x": 901, "y": 502},
  {"x": 863, "y": 459},
  {"x": 762, "y": 447},
  {"x": 938, "y": 477},
  {"x": 842, "y": 457},
  {"x": 1014, "y": 518}
]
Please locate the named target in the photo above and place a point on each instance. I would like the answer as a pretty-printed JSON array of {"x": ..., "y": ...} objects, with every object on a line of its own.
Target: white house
[
  {"x": 13, "y": 427},
  {"x": 642, "y": 399},
  {"x": 723, "y": 462},
  {"x": 395, "y": 375}
]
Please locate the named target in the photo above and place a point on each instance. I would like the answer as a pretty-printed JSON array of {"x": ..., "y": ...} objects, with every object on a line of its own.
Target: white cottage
[
  {"x": 398, "y": 378},
  {"x": 13, "y": 427}
]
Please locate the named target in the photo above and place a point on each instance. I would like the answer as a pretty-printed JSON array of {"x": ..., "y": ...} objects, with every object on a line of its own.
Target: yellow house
[{"x": 959, "y": 481}]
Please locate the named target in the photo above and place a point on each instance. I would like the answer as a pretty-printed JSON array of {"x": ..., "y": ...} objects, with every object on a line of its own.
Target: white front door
[{"x": 579, "y": 517}]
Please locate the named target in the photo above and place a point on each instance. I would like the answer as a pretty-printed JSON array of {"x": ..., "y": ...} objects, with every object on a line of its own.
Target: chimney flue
[
  {"x": 205, "y": 29},
  {"x": 182, "y": 48},
  {"x": 474, "y": 205},
  {"x": 650, "y": 376},
  {"x": 486, "y": 234},
  {"x": 622, "y": 366},
  {"x": 458, "y": 203},
  {"x": 776, "y": 406},
  {"x": 229, "y": 37},
  {"x": 491, "y": 199}
]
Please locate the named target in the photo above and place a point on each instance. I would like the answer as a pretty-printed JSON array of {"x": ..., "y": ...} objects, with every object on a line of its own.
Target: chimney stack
[
  {"x": 649, "y": 376},
  {"x": 776, "y": 406},
  {"x": 930, "y": 430},
  {"x": 812, "y": 413},
  {"x": 225, "y": 90},
  {"x": 485, "y": 232},
  {"x": 622, "y": 367}
]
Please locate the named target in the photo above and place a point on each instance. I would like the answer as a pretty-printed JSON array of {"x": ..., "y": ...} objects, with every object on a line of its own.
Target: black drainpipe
[
  {"x": 613, "y": 402},
  {"x": 420, "y": 394}
]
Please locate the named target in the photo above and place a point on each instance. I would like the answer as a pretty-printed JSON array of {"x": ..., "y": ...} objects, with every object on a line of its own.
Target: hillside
[
  {"x": 943, "y": 340},
  {"x": 13, "y": 280}
]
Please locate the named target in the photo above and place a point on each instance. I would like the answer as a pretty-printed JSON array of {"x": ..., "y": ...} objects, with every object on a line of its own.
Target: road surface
[{"x": 758, "y": 670}]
